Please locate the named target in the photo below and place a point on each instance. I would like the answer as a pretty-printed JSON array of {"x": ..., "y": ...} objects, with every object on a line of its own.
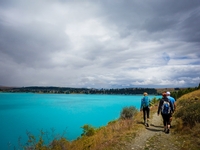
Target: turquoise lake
[{"x": 22, "y": 112}]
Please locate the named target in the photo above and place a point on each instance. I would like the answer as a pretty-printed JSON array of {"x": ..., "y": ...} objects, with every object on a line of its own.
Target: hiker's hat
[{"x": 168, "y": 93}]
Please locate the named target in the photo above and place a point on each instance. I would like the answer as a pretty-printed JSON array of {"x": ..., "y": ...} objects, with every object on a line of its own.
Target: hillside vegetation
[
  {"x": 69, "y": 90},
  {"x": 119, "y": 133},
  {"x": 188, "y": 119}
]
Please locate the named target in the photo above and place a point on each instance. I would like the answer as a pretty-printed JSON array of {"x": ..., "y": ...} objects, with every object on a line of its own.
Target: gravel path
[{"x": 153, "y": 137}]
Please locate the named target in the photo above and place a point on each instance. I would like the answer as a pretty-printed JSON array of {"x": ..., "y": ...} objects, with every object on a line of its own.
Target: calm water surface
[{"x": 22, "y": 112}]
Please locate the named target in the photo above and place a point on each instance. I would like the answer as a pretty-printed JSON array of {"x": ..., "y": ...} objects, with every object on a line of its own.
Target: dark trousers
[
  {"x": 146, "y": 111},
  {"x": 166, "y": 119}
]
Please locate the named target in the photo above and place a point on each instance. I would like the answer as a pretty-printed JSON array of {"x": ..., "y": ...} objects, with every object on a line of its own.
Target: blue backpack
[
  {"x": 166, "y": 109},
  {"x": 145, "y": 102}
]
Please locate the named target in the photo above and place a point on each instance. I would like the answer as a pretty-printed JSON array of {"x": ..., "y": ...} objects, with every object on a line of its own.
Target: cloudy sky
[{"x": 100, "y": 43}]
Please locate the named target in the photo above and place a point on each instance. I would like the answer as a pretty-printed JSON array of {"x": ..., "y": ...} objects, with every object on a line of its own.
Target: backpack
[
  {"x": 145, "y": 102},
  {"x": 166, "y": 107}
]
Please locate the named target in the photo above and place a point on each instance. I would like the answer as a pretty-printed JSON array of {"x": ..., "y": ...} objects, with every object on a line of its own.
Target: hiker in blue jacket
[
  {"x": 166, "y": 108},
  {"x": 145, "y": 107}
]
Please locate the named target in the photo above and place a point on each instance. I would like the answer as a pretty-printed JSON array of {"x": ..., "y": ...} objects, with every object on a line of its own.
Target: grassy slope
[{"x": 187, "y": 117}]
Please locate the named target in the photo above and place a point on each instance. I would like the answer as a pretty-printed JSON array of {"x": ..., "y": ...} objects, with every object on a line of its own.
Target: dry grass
[
  {"x": 116, "y": 134},
  {"x": 190, "y": 96},
  {"x": 188, "y": 120}
]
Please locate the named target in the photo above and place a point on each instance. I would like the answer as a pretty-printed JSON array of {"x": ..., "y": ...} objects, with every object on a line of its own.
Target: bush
[
  {"x": 189, "y": 113},
  {"x": 154, "y": 101},
  {"x": 88, "y": 130},
  {"x": 44, "y": 141},
  {"x": 128, "y": 112}
]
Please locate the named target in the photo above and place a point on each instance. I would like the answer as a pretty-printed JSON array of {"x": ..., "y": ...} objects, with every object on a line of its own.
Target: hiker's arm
[
  {"x": 172, "y": 106},
  {"x": 159, "y": 106},
  {"x": 141, "y": 106}
]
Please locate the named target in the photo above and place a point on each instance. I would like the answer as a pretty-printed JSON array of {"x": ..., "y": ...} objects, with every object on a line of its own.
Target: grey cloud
[
  {"x": 32, "y": 44},
  {"x": 155, "y": 16},
  {"x": 190, "y": 24},
  {"x": 99, "y": 44},
  {"x": 159, "y": 24}
]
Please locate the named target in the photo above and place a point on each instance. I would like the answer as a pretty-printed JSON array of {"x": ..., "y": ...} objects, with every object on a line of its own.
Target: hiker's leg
[
  {"x": 144, "y": 115},
  {"x": 164, "y": 122},
  {"x": 168, "y": 120},
  {"x": 163, "y": 119},
  {"x": 148, "y": 112}
]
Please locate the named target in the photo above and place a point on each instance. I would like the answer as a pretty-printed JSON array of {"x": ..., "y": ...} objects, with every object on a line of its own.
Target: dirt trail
[{"x": 153, "y": 137}]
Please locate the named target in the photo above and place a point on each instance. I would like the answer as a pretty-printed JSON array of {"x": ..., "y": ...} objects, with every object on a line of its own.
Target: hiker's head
[
  {"x": 164, "y": 94},
  {"x": 145, "y": 94},
  {"x": 168, "y": 93}
]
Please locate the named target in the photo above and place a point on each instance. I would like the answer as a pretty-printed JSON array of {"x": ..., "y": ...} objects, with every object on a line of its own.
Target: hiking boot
[
  {"x": 167, "y": 131},
  {"x": 147, "y": 125}
]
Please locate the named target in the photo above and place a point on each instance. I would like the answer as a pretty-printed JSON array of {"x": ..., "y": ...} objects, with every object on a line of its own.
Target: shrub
[
  {"x": 154, "y": 101},
  {"x": 190, "y": 114},
  {"x": 62, "y": 143},
  {"x": 42, "y": 141},
  {"x": 128, "y": 112},
  {"x": 88, "y": 130}
]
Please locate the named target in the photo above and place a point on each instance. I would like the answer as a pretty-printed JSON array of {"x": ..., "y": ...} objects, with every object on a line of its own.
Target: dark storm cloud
[{"x": 181, "y": 17}]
